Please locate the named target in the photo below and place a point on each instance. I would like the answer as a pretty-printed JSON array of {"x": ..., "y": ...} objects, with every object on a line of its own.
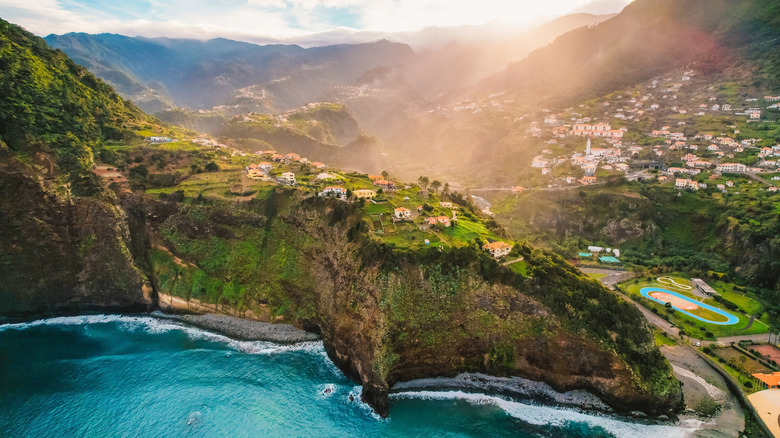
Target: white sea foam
[
  {"x": 355, "y": 395},
  {"x": 156, "y": 326},
  {"x": 560, "y": 417}
]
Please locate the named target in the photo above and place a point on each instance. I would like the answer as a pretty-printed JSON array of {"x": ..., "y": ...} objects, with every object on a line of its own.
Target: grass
[
  {"x": 596, "y": 276},
  {"x": 214, "y": 185},
  {"x": 466, "y": 230},
  {"x": 662, "y": 339},
  {"x": 693, "y": 326},
  {"x": 520, "y": 267},
  {"x": 373, "y": 209}
]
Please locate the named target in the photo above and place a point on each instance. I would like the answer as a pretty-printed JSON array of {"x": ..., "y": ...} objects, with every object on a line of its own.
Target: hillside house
[
  {"x": 540, "y": 162},
  {"x": 385, "y": 184},
  {"x": 444, "y": 220},
  {"x": 731, "y": 168},
  {"x": 498, "y": 249},
  {"x": 339, "y": 192},
  {"x": 287, "y": 178},
  {"x": 588, "y": 180},
  {"x": 265, "y": 166},
  {"x": 364, "y": 194},
  {"x": 403, "y": 213},
  {"x": 318, "y": 165}
]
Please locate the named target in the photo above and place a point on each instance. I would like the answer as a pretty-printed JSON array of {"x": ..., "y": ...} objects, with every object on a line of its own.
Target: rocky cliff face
[
  {"x": 58, "y": 253},
  {"x": 385, "y": 322},
  {"x": 387, "y": 316}
]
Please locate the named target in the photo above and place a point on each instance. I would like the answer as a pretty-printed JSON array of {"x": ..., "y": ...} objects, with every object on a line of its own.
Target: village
[
  {"x": 425, "y": 214},
  {"x": 705, "y": 146}
]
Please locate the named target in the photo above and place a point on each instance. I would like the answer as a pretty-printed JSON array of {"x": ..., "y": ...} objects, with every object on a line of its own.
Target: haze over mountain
[
  {"x": 161, "y": 72},
  {"x": 637, "y": 45},
  {"x": 405, "y": 98}
]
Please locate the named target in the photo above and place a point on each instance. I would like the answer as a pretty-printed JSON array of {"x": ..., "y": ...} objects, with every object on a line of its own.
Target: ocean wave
[
  {"x": 514, "y": 387},
  {"x": 560, "y": 417},
  {"x": 156, "y": 326},
  {"x": 354, "y": 397}
]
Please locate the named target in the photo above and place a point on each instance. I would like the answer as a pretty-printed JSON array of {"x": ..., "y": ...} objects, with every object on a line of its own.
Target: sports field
[{"x": 690, "y": 307}]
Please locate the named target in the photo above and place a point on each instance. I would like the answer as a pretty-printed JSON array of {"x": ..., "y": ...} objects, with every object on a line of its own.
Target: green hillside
[
  {"x": 50, "y": 104},
  {"x": 638, "y": 44}
]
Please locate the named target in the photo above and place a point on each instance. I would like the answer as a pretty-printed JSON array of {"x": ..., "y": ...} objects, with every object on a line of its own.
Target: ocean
[{"x": 138, "y": 376}]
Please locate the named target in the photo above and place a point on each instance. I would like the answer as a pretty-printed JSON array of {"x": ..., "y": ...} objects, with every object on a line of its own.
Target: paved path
[{"x": 513, "y": 261}]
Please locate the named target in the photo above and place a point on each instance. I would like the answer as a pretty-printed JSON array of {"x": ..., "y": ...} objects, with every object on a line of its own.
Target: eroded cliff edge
[
  {"x": 61, "y": 253},
  {"x": 385, "y": 314},
  {"x": 388, "y": 315}
]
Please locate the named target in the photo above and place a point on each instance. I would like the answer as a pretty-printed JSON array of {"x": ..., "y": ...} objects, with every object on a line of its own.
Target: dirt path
[{"x": 703, "y": 389}]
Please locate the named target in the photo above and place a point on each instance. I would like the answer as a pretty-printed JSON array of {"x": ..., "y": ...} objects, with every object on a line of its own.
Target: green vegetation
[
  {"x": 735, "y": 235},
  {"x": 693, "y": 327},
  {"x": 50, "y": 104}
]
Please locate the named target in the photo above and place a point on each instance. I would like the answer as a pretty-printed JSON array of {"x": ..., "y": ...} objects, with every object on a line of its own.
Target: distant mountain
[
  {"x": 203, "y": 74},
  {"x": 160, "y": 73},
  {"x": 460, "y": 64},
  {"x": 649, "y": 38},
  {"x": 321, "y": 132}
]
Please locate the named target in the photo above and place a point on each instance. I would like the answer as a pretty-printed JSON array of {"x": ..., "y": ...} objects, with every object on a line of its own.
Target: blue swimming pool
[{"x": 731, "y": 319}]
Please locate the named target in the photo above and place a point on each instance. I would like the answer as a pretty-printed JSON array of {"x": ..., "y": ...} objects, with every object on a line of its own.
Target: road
[
  {"x": 539, "y": 189},
  {"x": 755, "y": 177}
]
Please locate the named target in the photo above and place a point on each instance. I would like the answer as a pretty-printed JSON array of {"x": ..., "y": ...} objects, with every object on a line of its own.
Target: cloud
[{"x": 269, "y": 20}]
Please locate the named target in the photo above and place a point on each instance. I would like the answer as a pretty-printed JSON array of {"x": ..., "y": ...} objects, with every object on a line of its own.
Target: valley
[{"x": 590, "y": 204}]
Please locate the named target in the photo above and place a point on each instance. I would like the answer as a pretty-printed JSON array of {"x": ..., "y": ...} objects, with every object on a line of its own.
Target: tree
[
  {"x": 423, "y": 182},
  {"x": 435, "y": 185},
  {"x": 212, "y": 167},
  {"x": 446, "y": 190},
  {"x": 385, "y": 174}
]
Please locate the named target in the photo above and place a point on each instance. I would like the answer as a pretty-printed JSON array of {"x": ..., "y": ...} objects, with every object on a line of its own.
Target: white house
[
  {"x": 333, "y": 190},
  {"x": 403, "y": 213},
  {"x": 540, "y": 162},
  {"x": 287, "y": 178},
  {"x": 498, "y": 249},
  {"x": 731, "y": 168}
]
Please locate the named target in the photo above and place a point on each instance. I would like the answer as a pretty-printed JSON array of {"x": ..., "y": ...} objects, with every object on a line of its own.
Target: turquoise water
[{"x": 109, "y": 375}]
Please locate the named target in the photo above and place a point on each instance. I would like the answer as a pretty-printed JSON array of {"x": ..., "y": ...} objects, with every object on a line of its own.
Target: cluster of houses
[
  {"x": 379, "y": 180},
  {"x": 262, "y": 170},
  {"x": 160, "y": 140},
  {"x": 719, "y": 150}
]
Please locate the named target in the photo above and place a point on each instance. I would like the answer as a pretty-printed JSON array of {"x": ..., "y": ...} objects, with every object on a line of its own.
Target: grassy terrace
[
  {"x": 746, "y": 306},
  {"x": 231, "y": 183}
]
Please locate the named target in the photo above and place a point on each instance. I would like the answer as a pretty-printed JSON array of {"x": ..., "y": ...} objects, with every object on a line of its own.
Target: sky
[{"x": 281, "y": 20}]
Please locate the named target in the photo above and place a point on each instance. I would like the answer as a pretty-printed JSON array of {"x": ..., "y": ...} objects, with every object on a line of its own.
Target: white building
[
  {"x": 731, "y": 168},
  {"x": 287, "y": 178}
]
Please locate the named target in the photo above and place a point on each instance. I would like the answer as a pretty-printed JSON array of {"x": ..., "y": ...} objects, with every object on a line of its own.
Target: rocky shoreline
[{"x": 243, "y": 329}]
